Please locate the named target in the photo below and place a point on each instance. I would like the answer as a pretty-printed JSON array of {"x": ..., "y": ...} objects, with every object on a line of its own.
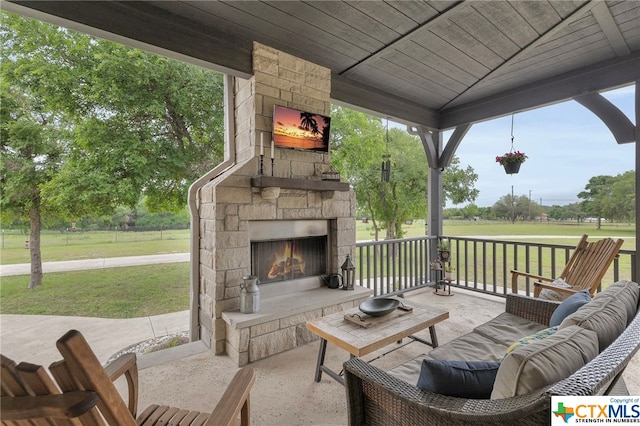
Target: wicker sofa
[{"x": 376, "y": 397}]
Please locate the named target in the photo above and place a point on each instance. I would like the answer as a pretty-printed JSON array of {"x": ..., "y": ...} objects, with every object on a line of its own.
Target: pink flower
[{"x": 511, "y": 157}]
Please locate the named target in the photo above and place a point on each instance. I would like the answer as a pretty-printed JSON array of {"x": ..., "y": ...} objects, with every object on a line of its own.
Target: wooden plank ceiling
[{"x": 438, "y": 64}]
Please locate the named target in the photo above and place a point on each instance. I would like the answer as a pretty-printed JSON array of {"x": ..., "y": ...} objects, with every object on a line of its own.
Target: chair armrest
[
  {"x": 375, "y": 397},
  {"x": 531, "y": 308},
  {"x": 234, "y": 401},
  {"x": 565, "y": 290},
  {"x": 126, "y": 364},
  {"x": 65, "y": 405},
  {"x": 515, "y": 274}
]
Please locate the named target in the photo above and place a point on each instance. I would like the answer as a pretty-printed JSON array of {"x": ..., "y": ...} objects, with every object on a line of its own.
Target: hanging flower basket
[
  {"x": 511, "y": 168},
  {"x": 511, "y": 161}
]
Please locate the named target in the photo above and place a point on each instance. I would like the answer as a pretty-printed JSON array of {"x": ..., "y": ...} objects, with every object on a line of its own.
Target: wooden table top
[{"x": 360, "y": 341}]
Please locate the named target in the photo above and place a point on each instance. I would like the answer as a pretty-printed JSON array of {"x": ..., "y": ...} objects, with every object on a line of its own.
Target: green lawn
[
  {"x": 157, "y": 289},
  {"x": 492, "y": 229},
  {"x": 90, "y": 245},
  {"x": 105, "y": 293},
  {"x": 57, "y": 246}
]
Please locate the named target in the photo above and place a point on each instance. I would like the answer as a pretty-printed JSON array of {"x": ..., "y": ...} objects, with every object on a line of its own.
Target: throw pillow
[
  {"x": 463, "y": 379},
  {"x": 557, "y": 296},
  {"x": 569, "y": 306}
]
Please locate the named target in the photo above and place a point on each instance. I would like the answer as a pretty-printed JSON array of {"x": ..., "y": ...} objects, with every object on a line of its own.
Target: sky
[{"x": 565, "y": 143}]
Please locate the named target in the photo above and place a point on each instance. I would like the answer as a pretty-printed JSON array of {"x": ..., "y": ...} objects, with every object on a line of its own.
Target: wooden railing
[{"x": 482, "y": 265}]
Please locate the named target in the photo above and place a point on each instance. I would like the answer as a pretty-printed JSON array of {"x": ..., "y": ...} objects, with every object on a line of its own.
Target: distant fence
[{"x": 15, "y": 238}]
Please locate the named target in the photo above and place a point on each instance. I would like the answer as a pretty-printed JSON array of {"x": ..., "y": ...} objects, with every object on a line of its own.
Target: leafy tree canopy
[
  {"x": 610, "y": 197},
  {"x": 135, "y": 123},
  {"x": 89, "y": 125},
  {"x": 360, "y": 144}
]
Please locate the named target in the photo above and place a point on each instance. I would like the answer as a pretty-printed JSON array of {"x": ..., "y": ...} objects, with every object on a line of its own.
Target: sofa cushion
[
  {"x": 463, "y": 379},
  {"x": 626, "y": 292},
  {"x": 468, "y": 347},
  {"x": 536, "y": 337},
  {"x": 569, "y": 306},
  {"x": 409, "y": 371},
  {"x": 607, "y": 316},
  {"x": 506, "y": 328},
  {"x": 545, "y": 362},
  {"x": 549, "y": 294}
]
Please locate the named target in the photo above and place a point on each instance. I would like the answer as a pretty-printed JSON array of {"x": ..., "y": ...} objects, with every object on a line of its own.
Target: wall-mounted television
[{"x": 296, "y": 129}]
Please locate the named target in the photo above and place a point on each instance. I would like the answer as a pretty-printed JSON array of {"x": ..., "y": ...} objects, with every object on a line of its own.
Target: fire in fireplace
[{"x": 289, "y": 259}]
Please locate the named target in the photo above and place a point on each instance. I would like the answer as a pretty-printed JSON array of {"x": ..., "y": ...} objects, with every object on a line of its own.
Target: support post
[{"x": 635, "y": 267}]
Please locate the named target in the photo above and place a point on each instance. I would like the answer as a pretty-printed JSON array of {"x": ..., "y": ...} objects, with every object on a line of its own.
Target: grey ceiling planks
[{"x": 445, "y": 60}]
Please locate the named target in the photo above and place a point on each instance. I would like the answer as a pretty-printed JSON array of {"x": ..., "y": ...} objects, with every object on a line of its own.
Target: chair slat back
[
  {"x": 67, "y": 383},
  {"x": 11, "y": 384},
  {"x": 27, "y": 379},
  {"x": 589, "y": 263},
  {"x": 87, "y": 371}
]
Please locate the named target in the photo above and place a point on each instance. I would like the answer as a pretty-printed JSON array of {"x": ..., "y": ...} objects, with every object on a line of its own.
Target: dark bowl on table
[{"x": 379, "y": 307}]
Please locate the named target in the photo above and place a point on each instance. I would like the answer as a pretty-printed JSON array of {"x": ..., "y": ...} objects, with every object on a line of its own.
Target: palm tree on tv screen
[{"x": 308, "y": 122}]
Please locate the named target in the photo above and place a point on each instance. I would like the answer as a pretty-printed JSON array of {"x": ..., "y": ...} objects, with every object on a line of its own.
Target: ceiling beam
[
  {"x": 594, "y": 78},
  {"x": 367, "y": 99},
  {"x": 610, "y": 29},
  {"x": 146, "y": 27},
  {"x": 619, "y": 124}
]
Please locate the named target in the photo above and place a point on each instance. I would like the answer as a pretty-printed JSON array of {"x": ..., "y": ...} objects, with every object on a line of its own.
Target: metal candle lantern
[{"x": 348, "y": 274}]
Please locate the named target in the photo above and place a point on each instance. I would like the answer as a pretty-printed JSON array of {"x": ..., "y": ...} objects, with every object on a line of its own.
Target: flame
[{"x": 288, "y": 263}]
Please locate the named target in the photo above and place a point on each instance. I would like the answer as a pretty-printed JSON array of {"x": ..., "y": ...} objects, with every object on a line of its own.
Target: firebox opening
[{"x": 289, "y": 259}]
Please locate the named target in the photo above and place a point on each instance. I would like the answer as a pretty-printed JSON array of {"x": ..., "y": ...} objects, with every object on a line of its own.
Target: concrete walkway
[
  {"x": 23, "y": 336},
  {"x": 86, "y": 264}
]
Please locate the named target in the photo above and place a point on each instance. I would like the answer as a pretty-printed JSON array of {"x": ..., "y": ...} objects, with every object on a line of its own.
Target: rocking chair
[
  {"x": 83, "y": 393},
  {"x": 584, "y": 271}
]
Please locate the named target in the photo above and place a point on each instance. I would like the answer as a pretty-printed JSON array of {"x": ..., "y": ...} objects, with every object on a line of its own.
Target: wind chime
[
  {"x": 386, "y": 167},
  {"x": 386, "y": 159}
]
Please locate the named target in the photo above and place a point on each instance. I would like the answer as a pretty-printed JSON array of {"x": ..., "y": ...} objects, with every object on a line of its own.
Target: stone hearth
[{"x": 280, "y": 324}]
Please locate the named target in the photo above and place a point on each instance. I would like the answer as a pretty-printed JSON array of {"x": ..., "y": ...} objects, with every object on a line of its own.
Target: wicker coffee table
[{"x": 342, "y": 329}]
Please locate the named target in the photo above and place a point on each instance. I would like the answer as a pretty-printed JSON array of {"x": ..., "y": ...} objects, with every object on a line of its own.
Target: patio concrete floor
[
  {"x": 190, "y": 376},
  {"x": 285, "y": 392}
]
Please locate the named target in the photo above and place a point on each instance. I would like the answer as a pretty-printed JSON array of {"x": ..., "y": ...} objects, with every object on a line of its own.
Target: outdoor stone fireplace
[
  {"x": 288, "y": 225},
  {"x": 288, "y": 251}
]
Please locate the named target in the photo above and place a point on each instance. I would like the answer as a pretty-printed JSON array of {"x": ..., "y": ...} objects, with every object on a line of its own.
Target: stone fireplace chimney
[{"x": 234, "y": 202}]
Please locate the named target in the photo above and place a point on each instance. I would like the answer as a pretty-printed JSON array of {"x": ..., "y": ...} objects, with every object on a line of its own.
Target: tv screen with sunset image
[{"x": 297, "y": 129}]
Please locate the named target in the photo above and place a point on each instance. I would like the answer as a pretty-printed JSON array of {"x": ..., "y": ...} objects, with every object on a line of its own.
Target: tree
[
  {"x": 621, "y": 203},
  {"x": 359, "y": 142},
  {"x": 470, "y": 211},
  {"x": 458, "y": 183},
  {"x": 515, "y": 207},
  {"x": 32, "y": 146},
  {"x": 117, "y": 123},
  {"x": 571, "y": 211},
  {"x": 596, "y": 196}
]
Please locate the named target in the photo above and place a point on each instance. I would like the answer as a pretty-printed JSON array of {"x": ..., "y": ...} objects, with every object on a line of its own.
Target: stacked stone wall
[{"x": 229, "y": 202}]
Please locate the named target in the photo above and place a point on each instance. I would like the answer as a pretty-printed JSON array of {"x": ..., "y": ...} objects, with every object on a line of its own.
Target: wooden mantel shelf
[{"x": 302, "y": 184}]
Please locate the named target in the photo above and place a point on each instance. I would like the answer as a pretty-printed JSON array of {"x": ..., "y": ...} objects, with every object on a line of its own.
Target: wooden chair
[
  {"x": 83, "y": 393},
  {"x": 584, "y": 271}
]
